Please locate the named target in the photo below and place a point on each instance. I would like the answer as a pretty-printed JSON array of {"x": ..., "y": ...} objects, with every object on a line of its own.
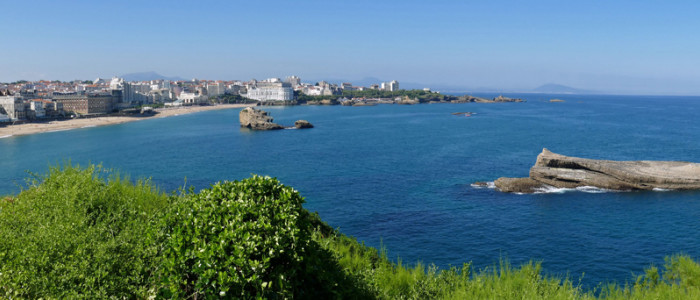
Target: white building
[
  {"x": 188, "y": 98},
  {"x": 13, "y": 106},
  {"x": 390, "y": 86},
  {"x": 293, "y": 80},
  {"x": 38, "y": 108},
  {"x": 4, "y": 118},
  {"x": 271, "y": 89}
]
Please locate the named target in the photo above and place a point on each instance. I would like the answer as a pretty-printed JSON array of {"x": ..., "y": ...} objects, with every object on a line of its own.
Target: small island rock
[{"x": 302, "y": 124}]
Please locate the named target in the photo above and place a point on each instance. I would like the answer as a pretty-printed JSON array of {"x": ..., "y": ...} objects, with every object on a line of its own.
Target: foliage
[
  {"x": 243, "y": 239},
  {"x": 229, "y": 98},
  {"x": 387, "y": 280},
  {"x": 421, "y": 95},
  {"x": 74, "y": 234},
  {"x": 89, "y": 233}
]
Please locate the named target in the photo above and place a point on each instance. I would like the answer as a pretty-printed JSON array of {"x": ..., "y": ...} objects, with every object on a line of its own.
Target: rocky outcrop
[
  {"x": 517, "y": 185},
  {"x": 502, "y": 98},
  {"x": 303, "y": 124},
  {"x": 561, "y": 171},
  {"x": 468, "y": 99},
  {"x": 257, "y": 119}
]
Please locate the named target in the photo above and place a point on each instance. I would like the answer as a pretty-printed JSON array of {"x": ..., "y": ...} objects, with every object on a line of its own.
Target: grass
[{"x": 89, "y": 233}]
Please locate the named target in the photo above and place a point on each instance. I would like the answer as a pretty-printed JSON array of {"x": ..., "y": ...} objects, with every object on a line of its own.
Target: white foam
[
  {"x": 89, "y": 126},
  {"x": 661, "y": 190},
  {"x": 5, "y": 136},
  {"x": 548, "y": 189}
]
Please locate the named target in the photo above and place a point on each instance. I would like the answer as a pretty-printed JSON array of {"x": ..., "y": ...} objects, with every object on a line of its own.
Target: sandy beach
[{"x": 32, "y": 128}]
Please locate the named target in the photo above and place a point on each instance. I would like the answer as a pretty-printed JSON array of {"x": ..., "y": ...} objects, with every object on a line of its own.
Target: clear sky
[{"x": 639, "y": 47}]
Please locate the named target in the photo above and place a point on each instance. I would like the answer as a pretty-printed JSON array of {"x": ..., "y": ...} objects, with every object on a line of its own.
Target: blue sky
[{"x": 638, "y": 47}]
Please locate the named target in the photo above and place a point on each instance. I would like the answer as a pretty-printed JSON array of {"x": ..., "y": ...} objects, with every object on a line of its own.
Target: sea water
[{"x": 400, "y": 176}]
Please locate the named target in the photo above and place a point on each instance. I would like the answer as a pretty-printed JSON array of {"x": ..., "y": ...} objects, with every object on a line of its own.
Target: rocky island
[
  {"x": 555, "y": 170},
  {"x": 257, "y": 119}
]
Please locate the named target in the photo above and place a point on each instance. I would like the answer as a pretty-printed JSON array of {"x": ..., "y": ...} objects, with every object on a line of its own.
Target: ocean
[{"x": 399, "y": 176}]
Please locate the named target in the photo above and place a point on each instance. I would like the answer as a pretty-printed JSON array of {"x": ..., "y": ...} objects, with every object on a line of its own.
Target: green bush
[
  {"x": 237, "y": 239},
  {"x": 74, "y": 234}
]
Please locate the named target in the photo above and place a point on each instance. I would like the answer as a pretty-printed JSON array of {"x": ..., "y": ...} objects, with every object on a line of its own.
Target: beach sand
[{"x": 32, "y": 128}]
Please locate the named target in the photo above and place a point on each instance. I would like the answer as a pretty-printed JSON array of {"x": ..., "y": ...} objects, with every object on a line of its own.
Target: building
[
  {"x": 390, "y": 86},
  {"x": 293, "y": 80},
  {"x": 87, "y": 104},
  {"x": 346, "y": 86},
  {"x": 188, "y": 98},
  {"x": 215, "y": 89},
  {"x": 37, "y": 108},
  {"x": 14, "y": 107},
  {"x": 270, "y": 90}
]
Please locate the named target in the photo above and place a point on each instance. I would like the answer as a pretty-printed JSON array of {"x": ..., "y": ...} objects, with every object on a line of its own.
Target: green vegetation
[
  {"x": 227, "y": 98},
  {"x": 89, "y": 233},
  {"x": 76, "y": 233},
  {"x": 421, "y": 95}
]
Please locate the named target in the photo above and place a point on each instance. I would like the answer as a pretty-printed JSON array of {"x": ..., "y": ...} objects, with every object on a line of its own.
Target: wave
[
  {"x": 5, "y": 136},
  {"x": 585, "y": 189},
  {"x": 89, "y": 126},
  {"x": 661, "y": 190}
]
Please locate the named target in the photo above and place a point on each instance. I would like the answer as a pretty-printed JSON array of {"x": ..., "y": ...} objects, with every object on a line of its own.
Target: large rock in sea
[
  {"x": 561, "y": 171},
  {"x": 257, "y": 119}
]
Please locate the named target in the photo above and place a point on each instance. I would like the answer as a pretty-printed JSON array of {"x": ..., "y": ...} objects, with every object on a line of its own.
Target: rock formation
[
  {"x": 468, "y": 99},
  {"x": 302, "y": 124},
  {"x": 501, "y": 98},
  {"x": 257, "y": 119},
  {"x": 561, "y": 171}
]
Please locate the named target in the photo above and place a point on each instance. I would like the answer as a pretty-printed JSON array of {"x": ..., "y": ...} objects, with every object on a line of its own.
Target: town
[{"x": 24, "y": 101}]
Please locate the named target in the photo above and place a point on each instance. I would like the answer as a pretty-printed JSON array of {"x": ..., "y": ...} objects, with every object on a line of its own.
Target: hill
[{"x": 553, "y": 88}]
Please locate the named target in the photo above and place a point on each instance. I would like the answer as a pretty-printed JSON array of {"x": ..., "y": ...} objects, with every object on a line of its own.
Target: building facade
[
  {"x": 14, "y": 107},
  {"x": 90, "y": 104},
  {"x": 270, "y": 90}
]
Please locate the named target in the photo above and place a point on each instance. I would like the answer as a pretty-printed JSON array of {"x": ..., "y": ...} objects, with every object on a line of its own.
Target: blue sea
[{"x": 400, "y": 176}]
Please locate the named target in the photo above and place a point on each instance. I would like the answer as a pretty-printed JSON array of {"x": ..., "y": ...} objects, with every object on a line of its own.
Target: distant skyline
[{"x": 631, "y": 47}]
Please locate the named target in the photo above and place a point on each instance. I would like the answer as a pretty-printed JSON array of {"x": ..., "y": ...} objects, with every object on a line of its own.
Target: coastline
[{"x": 34, "y": 128}]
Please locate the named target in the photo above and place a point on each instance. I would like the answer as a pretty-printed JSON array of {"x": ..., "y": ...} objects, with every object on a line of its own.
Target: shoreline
[{"x": 53, "y": 126}]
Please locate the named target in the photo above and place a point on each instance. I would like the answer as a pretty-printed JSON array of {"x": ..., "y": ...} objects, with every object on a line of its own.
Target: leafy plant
[
  {"x": 75, "y": 234},
  {"x": 242, "y": 239}
]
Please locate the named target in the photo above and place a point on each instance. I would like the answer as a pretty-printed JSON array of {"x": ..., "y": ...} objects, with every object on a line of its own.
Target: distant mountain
[
  {"x": 552, "y": 88},
  {"x": 146, "y": 76}
]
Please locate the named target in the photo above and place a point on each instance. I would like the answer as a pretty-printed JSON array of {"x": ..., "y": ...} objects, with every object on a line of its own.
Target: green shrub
[
  {"x": 74, "y": 234},
  {"x": 238, "y": 239}
]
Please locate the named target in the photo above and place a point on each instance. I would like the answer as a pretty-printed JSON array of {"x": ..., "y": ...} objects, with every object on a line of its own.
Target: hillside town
[{"x": 24, "y": 101}]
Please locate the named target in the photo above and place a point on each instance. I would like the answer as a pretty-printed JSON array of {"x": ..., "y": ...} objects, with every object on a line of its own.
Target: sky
[{"x": 632, "y": 47}]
